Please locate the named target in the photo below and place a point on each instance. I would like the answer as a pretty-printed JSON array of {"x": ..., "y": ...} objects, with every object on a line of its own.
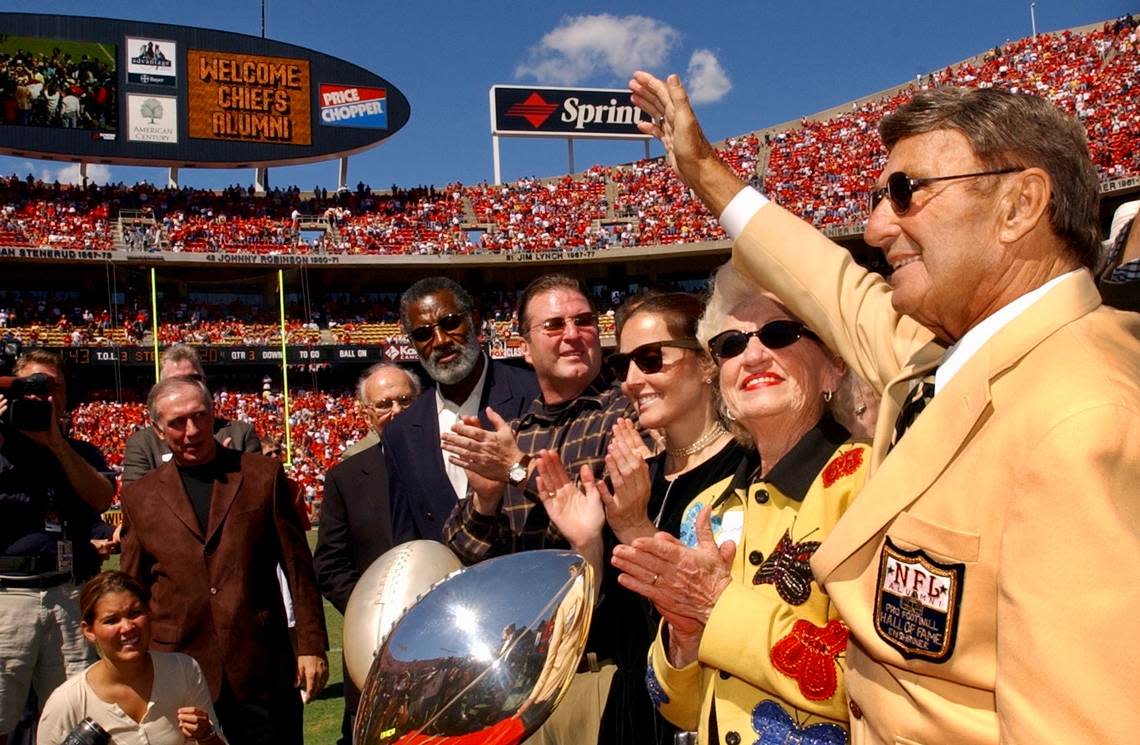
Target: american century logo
[{"x": 354, "y": 106}]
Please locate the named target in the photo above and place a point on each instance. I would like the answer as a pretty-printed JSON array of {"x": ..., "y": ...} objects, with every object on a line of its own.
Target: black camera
[
  {"x": 28, "y": 407},
  {"x": 88, "y": 732}
]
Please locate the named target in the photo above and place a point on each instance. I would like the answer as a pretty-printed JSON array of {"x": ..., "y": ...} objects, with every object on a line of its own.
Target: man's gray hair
[
  {"x": 181, "y": 353},
  {"x": 1007, "y": 130},
  {"x": 166, "y": 385},
  {"x": 413, "y": 379}
]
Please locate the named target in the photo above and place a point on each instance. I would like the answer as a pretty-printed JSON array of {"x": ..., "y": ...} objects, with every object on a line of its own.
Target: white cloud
[
  {"x": 584, "y": 47},
  {"x": 706, "y": 80},
  {"x": 69, "y": 174}
]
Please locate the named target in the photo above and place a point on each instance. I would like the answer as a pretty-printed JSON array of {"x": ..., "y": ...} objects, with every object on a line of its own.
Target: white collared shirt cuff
[{"x": 740, "y": 210}]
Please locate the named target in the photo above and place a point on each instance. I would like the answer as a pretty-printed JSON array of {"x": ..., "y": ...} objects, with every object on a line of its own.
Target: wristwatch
[{"x": 516, "y": 475}]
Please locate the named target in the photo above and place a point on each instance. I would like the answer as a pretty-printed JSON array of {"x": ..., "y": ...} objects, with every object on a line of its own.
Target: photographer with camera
[{"x": 51, "y": 494}]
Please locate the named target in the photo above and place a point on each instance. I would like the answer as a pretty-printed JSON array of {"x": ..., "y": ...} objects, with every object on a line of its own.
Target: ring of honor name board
[{"x": 249, "y": 98}]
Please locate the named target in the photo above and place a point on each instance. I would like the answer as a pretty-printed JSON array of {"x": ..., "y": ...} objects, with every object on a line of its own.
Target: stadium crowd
[
  {"x": 57, "y": 90},
  {"x": 822, "y": 169},
  {"x": 787, "y": 489},
  {"x": 65, "y": 319}
]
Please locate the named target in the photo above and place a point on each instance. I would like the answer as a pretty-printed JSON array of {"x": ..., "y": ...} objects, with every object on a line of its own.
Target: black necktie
[{"x": 915, "y": 402}]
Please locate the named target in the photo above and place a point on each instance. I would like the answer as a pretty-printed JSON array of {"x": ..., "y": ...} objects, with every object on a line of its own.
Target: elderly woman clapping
[{"x": 750, "y": 646}]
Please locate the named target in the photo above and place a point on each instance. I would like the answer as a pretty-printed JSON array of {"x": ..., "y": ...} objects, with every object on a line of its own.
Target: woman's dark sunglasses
[
  {"x": 773, "y": 335},
  {"x": 648, "y": 357},
  {"x": 900, "y": 188},
  {"x": 449, "y": 323}
]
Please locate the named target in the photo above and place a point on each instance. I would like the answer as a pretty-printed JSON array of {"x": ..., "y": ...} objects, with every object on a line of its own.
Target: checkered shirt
[
  {"x": 1127, "y": 272},
  {"x": 580, "y": 432}
]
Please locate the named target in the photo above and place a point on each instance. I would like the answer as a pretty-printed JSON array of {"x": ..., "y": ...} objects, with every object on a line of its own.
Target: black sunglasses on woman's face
[
  {"x": 648, "y": 357},
  {"x": 773, "y": 335}
]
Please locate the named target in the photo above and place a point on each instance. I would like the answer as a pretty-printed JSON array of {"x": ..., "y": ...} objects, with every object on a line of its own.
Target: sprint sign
[{"x": 354, "y": 106}]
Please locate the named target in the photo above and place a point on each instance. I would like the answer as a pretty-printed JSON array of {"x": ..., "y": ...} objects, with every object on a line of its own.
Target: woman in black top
[{"x": 671, "y": 381}]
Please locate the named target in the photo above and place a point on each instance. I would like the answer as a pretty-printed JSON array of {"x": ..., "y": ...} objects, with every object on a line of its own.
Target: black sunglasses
[
  {"x": 555, "y": 326},
  {"x": 450, "y": 322},
  {"x": 648, "y": 357},
  {"x": 900, "y": 187},
  {"x": 774, "y": 335}
]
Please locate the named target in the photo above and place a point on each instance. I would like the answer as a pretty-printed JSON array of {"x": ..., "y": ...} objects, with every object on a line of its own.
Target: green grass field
[
  {"x": 322, "y": 715},
  {"x": 43, "y": 45}
]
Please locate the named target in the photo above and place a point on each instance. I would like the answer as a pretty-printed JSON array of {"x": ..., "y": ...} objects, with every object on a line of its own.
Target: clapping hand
[
  {"x": 627, "y": 506},
  {"x": 487, "y": 452}
]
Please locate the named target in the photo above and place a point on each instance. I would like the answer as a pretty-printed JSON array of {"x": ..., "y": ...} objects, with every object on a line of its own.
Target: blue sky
[{"x": 760, "y": 63}]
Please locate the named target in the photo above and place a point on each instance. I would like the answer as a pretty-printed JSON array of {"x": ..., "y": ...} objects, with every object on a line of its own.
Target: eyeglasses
[
  {"x": 385, "y": 404},
  {"x": 900, "y": 187},
  {"x": 774, "y": 335},
  {"x": 448, "y": 323},
  {"x": 555, "y": 326},
  {"x": 647, "y": 357}
]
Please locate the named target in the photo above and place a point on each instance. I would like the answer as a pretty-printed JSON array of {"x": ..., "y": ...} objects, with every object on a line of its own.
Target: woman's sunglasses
[
  {"x": 773, "y": 335},
  {"x": 900, "y": 188},
  {"x": 448, "y": 323},
  {"x": 647, "y": 357}
]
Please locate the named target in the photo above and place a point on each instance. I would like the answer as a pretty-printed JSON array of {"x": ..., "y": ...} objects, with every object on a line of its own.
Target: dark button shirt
[
  {"x": 198, "y": 481},
  {"x": 668, "y": 500},
  {"x": 580, "y": 431},
  {"x": 32, "y": 486}
]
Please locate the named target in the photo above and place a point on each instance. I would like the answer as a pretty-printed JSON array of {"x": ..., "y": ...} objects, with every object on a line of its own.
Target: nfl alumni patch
[{"x": 916, "y": 603}]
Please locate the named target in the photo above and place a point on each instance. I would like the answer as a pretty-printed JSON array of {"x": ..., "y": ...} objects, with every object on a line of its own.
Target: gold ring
[{"x": 655, "y": 578}]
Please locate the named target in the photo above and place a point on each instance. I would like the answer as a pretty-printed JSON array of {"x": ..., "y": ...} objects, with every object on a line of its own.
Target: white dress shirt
[{"x": 449, "y": 413}]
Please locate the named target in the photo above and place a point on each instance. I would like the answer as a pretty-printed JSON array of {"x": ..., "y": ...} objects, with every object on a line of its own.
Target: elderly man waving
[{"x": 979, "y": 571}]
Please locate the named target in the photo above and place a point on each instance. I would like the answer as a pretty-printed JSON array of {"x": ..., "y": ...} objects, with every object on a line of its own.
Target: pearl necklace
[{"x": 702, "y": 442}]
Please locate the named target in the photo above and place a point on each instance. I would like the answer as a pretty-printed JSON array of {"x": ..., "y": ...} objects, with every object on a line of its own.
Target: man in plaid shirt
[
  {"x": 574, "y": 416},
  {"x": 1119, "y": 275},
  {"x": 503, "y": 513}
]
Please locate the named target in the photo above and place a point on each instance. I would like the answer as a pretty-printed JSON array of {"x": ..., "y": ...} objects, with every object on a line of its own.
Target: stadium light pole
[
  {"x": 1033, "y": 18},
  {"x": 262, "y": 19}
]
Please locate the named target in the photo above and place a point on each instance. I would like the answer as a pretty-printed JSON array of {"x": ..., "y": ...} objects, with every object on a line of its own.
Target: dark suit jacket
[
  {"x": 144, "y": 451},
  {"x": 216, "y": 596},
  {"x": 356, "y": 524},
  {"x": 422, "y": 496},
  {"x": 355, "y": 529}
]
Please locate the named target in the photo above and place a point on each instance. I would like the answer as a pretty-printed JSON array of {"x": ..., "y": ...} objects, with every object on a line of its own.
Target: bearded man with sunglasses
[
  {"x": 979, "y": 571},
  {"x": 424, "y": 485}
]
